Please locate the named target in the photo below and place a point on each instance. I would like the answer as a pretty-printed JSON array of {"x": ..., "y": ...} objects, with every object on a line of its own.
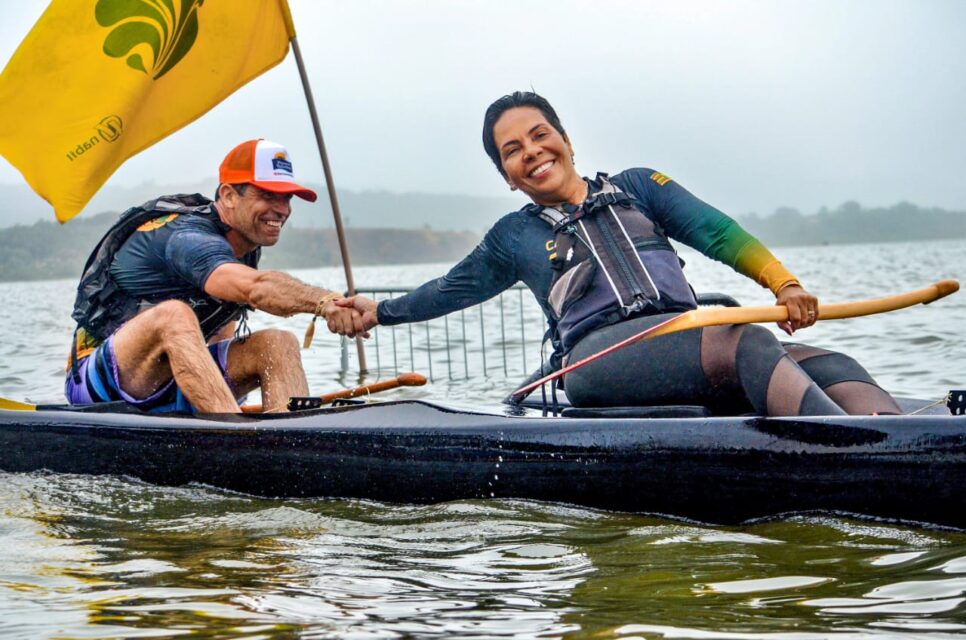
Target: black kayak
[{"x": 722, "y": 470}]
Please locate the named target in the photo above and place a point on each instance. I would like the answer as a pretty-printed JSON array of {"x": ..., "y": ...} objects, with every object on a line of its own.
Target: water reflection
[{"x": 107, "y": 557}]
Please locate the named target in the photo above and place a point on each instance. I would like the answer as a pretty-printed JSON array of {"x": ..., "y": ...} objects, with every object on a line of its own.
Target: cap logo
[{"x": 281, "y": 164}]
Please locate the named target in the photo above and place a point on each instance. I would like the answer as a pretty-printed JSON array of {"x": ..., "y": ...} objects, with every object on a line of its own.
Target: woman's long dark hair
[{"x": 504, "y": 104}]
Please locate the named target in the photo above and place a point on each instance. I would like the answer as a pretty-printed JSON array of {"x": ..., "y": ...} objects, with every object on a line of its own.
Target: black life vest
[
  {"x": 102, "y": 306},
  {"x": 612, "y": 262}
]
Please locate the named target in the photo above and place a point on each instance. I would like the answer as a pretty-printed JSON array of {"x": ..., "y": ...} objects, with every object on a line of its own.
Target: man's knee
[
  {"x": 264, "y": 350},
  {"x": 278, "y": 341},
  {"x": 273, "y": 344},
  {"x": 171, "y": 321},
  {"x": 173, "y": 318}
]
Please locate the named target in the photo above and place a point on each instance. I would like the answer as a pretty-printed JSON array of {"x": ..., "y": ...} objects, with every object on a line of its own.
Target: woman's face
[{"x": 536, "y": 157}]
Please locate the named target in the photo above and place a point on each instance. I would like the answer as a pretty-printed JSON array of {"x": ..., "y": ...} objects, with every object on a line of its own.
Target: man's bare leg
[
  {"x": 268, "y": 359},
  {"x": 166, "y": 342}
]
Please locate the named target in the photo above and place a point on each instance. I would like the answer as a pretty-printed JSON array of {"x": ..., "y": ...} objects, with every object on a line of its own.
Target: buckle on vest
[{"x": 638, "y": 306}]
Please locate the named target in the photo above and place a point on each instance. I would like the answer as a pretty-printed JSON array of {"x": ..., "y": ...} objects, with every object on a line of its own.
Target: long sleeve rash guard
[{"x": 518, "y": 248}]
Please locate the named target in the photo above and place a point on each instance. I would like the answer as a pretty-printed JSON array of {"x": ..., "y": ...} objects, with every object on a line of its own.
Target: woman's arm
[
  {"x": 697, "y": 224},
  {"x": 489, "y": 269}
]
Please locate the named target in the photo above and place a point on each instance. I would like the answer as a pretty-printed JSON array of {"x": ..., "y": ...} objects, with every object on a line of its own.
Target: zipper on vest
[
  {"x": 589, "y": 242},
  {"x": 637, "y": 255},
  {"x": 623, "y": 266}
]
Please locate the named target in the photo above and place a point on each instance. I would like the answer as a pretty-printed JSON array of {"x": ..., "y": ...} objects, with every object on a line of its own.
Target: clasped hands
[{"x": 351, "y": 317}]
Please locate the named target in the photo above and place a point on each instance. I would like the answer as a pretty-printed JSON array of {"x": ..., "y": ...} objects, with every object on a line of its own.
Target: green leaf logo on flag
[{"x": 168, "y": 27}]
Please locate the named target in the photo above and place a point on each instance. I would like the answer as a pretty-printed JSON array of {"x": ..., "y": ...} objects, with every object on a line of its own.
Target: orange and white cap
[{"x": 265, "y": 164}]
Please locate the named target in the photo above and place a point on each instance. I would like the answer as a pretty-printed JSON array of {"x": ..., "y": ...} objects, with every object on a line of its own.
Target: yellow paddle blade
[{"x": 14, "y": 405}]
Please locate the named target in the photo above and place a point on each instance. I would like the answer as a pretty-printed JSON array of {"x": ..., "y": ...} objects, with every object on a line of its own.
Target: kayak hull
[{"x": 718, "y": 470}]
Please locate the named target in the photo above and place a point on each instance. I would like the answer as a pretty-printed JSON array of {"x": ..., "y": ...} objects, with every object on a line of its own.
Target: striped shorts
[{"x": 97, "y": 381}]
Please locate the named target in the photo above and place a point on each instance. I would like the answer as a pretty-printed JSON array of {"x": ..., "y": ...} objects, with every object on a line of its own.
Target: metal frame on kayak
[{"x": 722, "y": 470}]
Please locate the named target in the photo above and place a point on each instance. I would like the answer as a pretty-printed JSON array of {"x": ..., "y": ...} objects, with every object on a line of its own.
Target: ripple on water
[
  {"x": 780, "y": 583},
  {"x": 890, "y": 559}
]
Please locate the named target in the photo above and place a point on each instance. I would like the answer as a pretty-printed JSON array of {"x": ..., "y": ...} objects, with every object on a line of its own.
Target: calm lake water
[{"x": 104, "y": 557}]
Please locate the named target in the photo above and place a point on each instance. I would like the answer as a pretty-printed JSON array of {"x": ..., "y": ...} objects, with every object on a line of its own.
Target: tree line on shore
[
  {"x": 45, "y": 250},
  {"x": 853, "y": 224}
]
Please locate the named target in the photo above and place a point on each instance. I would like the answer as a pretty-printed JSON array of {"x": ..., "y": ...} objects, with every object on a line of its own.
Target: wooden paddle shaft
[
  {"x": 714, "y": 316},
  {"x": 404, "y": 380}
]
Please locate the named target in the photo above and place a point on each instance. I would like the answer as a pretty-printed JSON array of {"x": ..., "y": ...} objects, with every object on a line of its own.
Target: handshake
[{"x": 351, "y": 317}]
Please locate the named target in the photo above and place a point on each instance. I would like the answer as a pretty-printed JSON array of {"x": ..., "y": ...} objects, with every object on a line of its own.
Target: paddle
[
  {"x": 404, "y": 380},
  {"x": 15, "y": 405},
  {"x": 714, "y": 316}
]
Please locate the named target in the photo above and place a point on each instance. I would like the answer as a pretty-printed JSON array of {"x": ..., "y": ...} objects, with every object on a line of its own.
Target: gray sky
[{"x": 750, "y": 104}]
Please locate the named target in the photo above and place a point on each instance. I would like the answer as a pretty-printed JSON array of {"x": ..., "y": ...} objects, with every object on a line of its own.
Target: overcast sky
[{"x": 749, "y": 104}]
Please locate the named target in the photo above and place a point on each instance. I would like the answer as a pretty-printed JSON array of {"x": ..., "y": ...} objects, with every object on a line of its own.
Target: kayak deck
[{"x": 723, "y": 470}]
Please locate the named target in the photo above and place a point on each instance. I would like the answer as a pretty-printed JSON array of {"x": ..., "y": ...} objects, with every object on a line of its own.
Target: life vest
[
  {"x": 612, "y": 262},
  {"x": 102, "y": 306}
]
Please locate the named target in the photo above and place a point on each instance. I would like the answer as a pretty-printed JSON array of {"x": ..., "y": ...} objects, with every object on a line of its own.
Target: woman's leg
[
  {"x": 844, "y": 380},
  {"x": 719, "y": 367}
]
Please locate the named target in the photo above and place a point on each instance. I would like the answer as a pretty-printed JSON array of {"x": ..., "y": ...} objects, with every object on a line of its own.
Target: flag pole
[{"x": 330, "y": 184}]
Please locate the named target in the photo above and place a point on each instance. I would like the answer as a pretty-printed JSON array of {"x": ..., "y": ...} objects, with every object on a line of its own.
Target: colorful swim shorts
[{"x": 98, "y": 381}]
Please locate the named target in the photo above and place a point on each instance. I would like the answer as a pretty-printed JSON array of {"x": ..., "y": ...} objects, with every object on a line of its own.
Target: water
[{"x": 86, "y": 557}]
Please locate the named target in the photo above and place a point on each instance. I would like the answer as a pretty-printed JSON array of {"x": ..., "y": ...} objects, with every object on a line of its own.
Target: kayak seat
[
  {"x": 665, "y": 411},
  {"x": 715, "y": 299}
]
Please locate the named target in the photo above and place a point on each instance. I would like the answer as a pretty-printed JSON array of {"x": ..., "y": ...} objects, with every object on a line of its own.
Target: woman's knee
[
  {"x": 832, "y": 368},
  {"x": 758, "y": 342}
]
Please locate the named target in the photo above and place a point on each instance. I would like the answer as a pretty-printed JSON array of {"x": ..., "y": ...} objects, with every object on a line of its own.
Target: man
[{"x": 160, "y": 300}]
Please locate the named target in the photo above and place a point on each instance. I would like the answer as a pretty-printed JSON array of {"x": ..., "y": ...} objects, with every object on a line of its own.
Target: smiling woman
[{"x": 595, "y": 254}]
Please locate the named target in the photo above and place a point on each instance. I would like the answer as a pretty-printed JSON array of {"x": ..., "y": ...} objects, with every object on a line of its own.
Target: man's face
[{"x": 258, "y": 216}]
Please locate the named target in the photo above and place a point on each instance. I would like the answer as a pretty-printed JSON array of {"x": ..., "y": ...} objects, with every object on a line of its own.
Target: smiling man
[{"x": 162, "y": 304}]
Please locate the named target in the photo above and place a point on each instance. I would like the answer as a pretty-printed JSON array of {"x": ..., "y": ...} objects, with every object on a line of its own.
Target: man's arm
[{"x": 280, "y": 294}]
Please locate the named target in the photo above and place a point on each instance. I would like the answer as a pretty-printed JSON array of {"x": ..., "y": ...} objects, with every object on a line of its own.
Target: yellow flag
[{"x": 97, "y": 81}]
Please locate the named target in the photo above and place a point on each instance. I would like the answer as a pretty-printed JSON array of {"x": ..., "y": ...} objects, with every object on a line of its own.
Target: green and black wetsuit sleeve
[{"x": 690, "y": 220}]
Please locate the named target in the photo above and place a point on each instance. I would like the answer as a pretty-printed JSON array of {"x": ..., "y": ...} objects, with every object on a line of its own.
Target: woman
[{"x": 594, "y": 253}]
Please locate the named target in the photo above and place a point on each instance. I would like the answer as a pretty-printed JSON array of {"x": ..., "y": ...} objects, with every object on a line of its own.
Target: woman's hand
[{"x": 802, "y": 308}]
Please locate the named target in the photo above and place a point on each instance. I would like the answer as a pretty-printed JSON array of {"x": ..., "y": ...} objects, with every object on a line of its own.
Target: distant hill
[
  {"x": 362, "y": 209},
  {"x": 45, "y": 250},
  {"x": 851, "y": 224}
]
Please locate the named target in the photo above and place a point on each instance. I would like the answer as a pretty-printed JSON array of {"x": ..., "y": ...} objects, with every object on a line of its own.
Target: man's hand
[
  {"x": 802, "y": 308},
  {"x": 364, "y": 309},
  {"x": 344, "y": 321}
]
